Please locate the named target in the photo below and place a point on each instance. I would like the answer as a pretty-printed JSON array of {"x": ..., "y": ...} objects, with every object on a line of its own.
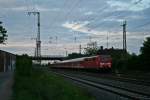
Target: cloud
[
  {"x": 7, "y": 3},
  {"x": 22, "y": 8},
  {"x": 75, "y": 25},
  {"x": 42, "y": 9},
  {"x": 88, "y": 13},
  {"x": 133, "y": 5},
  {"x": 113, "y": 19},
  {"x": 81, "y": 27},
  {"x": 37, "y": 8},
  {"x": 17, "y": 5}
]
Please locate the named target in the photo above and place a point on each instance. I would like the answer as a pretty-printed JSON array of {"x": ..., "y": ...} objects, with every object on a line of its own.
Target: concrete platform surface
[{"x": 6, "y": 82}]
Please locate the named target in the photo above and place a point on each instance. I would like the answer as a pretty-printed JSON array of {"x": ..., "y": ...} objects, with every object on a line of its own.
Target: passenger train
[{"x": 94, "y": 62}]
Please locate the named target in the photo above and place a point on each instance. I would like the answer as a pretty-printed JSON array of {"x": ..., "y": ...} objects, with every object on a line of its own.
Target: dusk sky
[{"x": 63, "y": 20}]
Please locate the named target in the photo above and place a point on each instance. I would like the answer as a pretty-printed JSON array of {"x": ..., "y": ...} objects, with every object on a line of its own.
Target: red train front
[{"x": 93, "y": 62}]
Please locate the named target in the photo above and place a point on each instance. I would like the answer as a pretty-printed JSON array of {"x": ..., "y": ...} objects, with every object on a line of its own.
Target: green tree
[
  {"x": 145, "y": 53},
  {"x": 91, "y": 51},
  {"x": 3, "y": 35},
  {"x": 74, "y": 55},
  {"x": 134, "y": 62}
]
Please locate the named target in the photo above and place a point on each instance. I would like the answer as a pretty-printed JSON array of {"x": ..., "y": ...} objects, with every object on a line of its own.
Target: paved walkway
[{"x": 6, "y": 82}]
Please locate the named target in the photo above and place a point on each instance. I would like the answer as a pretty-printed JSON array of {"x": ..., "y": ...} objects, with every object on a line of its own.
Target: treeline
[
  {"x": 131, "y": 62},
  {"x": 123, "y": 61},
  {"x": 141, "y": 61}
]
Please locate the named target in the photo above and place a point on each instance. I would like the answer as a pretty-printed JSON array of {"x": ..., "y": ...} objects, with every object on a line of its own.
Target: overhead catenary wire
[
  {"x": 70, "y": 11},
  {"x": 68, "y": 14},
  {"x": 74, "y": 15},
  {"x": 57, "y": 16},
  {"x": 30, "y": 5},
  {"x": 102, "y": 23},
  {"x": 100, "y": 11},
  {"x": 76, "y": 5},
  {"x": 142, "y": 25}
]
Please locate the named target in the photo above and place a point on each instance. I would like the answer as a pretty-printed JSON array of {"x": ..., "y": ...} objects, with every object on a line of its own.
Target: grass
[
  {"x": 34, "y": 84},
  {"x": 47, "y": 86}
]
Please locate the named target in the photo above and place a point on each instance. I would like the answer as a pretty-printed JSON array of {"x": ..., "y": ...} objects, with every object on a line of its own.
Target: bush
[
  {"x": 23, "y": 65},
  {"x": 35, "y": 84}
]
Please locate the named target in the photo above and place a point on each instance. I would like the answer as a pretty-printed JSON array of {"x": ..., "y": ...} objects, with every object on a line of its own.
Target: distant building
[
  {"x": 7, "y": 61},
  {"x": 110, "y": 51}
]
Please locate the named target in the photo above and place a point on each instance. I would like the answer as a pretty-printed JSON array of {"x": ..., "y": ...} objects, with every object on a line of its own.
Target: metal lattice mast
[
  {"x": 38, "y": 41},
  {"x": 124, "y": 36}
]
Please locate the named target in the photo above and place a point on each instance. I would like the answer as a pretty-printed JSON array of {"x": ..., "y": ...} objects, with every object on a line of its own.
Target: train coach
[{"x": 93, "y": 62}]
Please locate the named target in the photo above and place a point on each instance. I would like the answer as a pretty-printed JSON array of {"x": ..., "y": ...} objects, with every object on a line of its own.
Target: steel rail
[{"x": 113, "y": 89}]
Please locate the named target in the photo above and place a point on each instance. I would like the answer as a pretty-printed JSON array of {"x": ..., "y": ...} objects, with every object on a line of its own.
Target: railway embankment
[
  {"x": 36, "y": 84},
  {"x": 124, "y": 90}
]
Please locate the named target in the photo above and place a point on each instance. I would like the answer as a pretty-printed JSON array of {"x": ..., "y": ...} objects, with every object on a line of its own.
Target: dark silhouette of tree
[
  {"x": 3, "y": 35},
  {"x": 145, "y": 53},
  {"x": 145, "y": 50},
  {"x": 75, "y": 55}
]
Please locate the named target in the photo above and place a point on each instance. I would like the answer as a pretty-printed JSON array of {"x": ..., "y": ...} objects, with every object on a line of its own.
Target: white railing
[{"x": 52, "y": 56}]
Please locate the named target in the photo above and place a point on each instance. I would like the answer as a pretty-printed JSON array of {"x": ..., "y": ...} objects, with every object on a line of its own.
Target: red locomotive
[{"x": 93, "y": 62}]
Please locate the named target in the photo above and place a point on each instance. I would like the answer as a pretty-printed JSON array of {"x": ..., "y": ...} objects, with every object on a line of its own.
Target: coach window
[
  {"x": 93, "y": 59},
  {"x": 86, "y": 59}
]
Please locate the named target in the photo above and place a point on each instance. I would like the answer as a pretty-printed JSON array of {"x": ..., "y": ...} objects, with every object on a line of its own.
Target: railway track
[
  {"x": 122, "y": 78},
  {"x": 123, "y": 92},
  {"x": 131, "y": 80},
  {"x": 117, "y": 77}
]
